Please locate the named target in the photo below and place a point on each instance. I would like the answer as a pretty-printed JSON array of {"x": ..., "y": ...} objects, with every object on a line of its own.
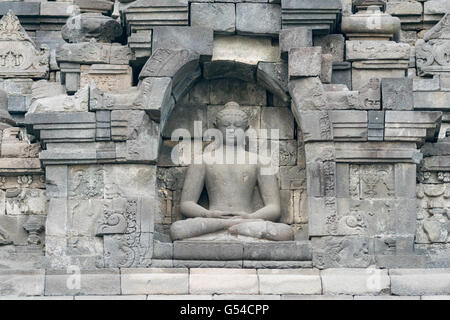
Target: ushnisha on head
[
  {"x": 232, "y": 116},
  {"x": 232, "y": 122}
]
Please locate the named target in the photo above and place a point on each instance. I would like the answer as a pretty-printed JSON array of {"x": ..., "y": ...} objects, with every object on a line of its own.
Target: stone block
[
  {"x": 316, "y": 297},
  {"x": 305, "y": 62},
  {"x": 292, "y": 177},
  {"x": 110, "y": 298},
  {"x": 247, "y": 94},
  {"x": 375, "y": 125},
  {"x": 294, "y": 38},
  {"x": 368, "y": 281},
  {"x": 420, "y": 282},
  {"x": 289, "y": 281},
  {"x": 278, "y": 118},
  {"x": 195, "y": 250},
  {"x": 223, "y": 281},
  {"x": 222, "y": 264},
  {"x": 266, "y": 264},
  {"x": 229, "y": 69},
  {"x": 86, "y": 282},
  {"x": 342, "y": 74},
  {"x": 294, "y": 206},
  {"x": 19, "y": 283},
  {"x": 86, "y": 26},
  {"x": 331, "y": 44},
  {"x": 258, "y": 18},
  {"x": 20, "y": 9},
  {"x": 245, "y": 49},
  {"x": 397, "y": 93},
  {"x": 196, "y": 39},
  {"x": 154, "y": 281},
  {"x": 184, "y": 116},
  {"x": 326, "y": 68},
  {"x": 108, "y": 78},
  {"x": 342, "y": 252},
  {"x": 221, "y": 17},
  {"x": 274, "y": 77},
  {"x": 170, "y": 63},
  {"x": 300, "y": 90},
  {"x": 432, "y": 100},
  {"x": 376, "y": 50},
  {"x": 280, "y": 250}
]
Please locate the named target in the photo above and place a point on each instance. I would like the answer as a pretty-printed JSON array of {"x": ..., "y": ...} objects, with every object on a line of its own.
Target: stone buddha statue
[{"x": 230, "y": 185}]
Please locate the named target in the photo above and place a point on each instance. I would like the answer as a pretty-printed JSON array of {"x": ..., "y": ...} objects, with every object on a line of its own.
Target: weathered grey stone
[
  {"x": 143, "y": 15},
  {"x": 305, "y": 62},
  {"x": 415, "y": 282},
  {"x": 274, "y": 77},
  {"x": 233, "y": 264},
  {"x": 170, "y": 63},
  {"x": 294, "y": 38},
  {"x": 375, "y": 125},
  {"x": 341, "y": 252},
  {"x": 154, "y": 281},
  {"x": 397, "y": 94},
  {"x": 248, "y": 94},
  {"x": 245, "y": 49},
  {"x": 177, "y": 38},
  {"x": 342, "y": 74},
  {"x": 316, "y": 297},
  {"x": 86, "y": 282},
  {"x": 86, "y": 26},
  {"x": 348, "y": 125},
  {"x": 292, "y": 177},
  {"x": 331, "y": 44},
  {"x": 370, "y": 95},
  {"x": 287, "y": 251},
  {"x": 411, "y": 125},
  {"x": 307, "y": 94},
  {"x": 374, "y": 50},
  {"x": 220, "y": 17},
  {"x": 267, "y": 264},
  {"x": 326, "y": 68},
  {"x": 223, "y": 281},
  {"x": 322, "y": 17},
  {"x": 229, "y": 69},
  {"x": 20, "y": 9},
  {"x": 194, "y": 250},
  {"x": 258, "y": 18},
  {"x": 289, "y": 282},
  {"x": 340, "y": 98},
  {"x": 22, "y": 282},
  {"x": 278, "y": 118},
  {"x": 21, "y": 58},
  {"x": 369, "y": 281},
  {"x": 184, "y": 116}
]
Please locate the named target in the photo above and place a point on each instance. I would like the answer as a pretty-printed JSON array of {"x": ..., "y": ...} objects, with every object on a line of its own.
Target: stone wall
[{"x": 91, "y": 94}]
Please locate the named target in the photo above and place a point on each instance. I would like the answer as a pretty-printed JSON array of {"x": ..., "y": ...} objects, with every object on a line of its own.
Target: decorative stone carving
[
  {"x": 432, "y": 50},
  {"x": 370, "y": 24},
  {"x": 18, "y": 54},
  {"x": 34, "y": 227},
  {"x": 231, "y": 214},
  {"x": 86, "y": 26}
]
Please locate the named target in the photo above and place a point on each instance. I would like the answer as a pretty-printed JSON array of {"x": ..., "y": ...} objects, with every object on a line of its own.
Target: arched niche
[{"x": 268, "y": 105}]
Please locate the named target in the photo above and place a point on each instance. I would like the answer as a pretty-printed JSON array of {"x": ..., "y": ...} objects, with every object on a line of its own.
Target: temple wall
[{"x": 91, "y": 179}]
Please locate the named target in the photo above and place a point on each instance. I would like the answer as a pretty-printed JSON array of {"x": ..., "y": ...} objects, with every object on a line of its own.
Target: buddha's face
[{"x": 232, "y": 127}]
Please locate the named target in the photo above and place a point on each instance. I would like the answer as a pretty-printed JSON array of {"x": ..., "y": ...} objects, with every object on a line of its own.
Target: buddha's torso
[{"x": 230, "y": 187}]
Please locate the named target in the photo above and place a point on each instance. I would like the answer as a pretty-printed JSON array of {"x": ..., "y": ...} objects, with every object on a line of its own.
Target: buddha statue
[{"x": 230, "y": 185}]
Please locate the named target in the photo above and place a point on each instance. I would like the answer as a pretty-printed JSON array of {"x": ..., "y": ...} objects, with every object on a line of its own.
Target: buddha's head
[{"x": 232, "y": 122}]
